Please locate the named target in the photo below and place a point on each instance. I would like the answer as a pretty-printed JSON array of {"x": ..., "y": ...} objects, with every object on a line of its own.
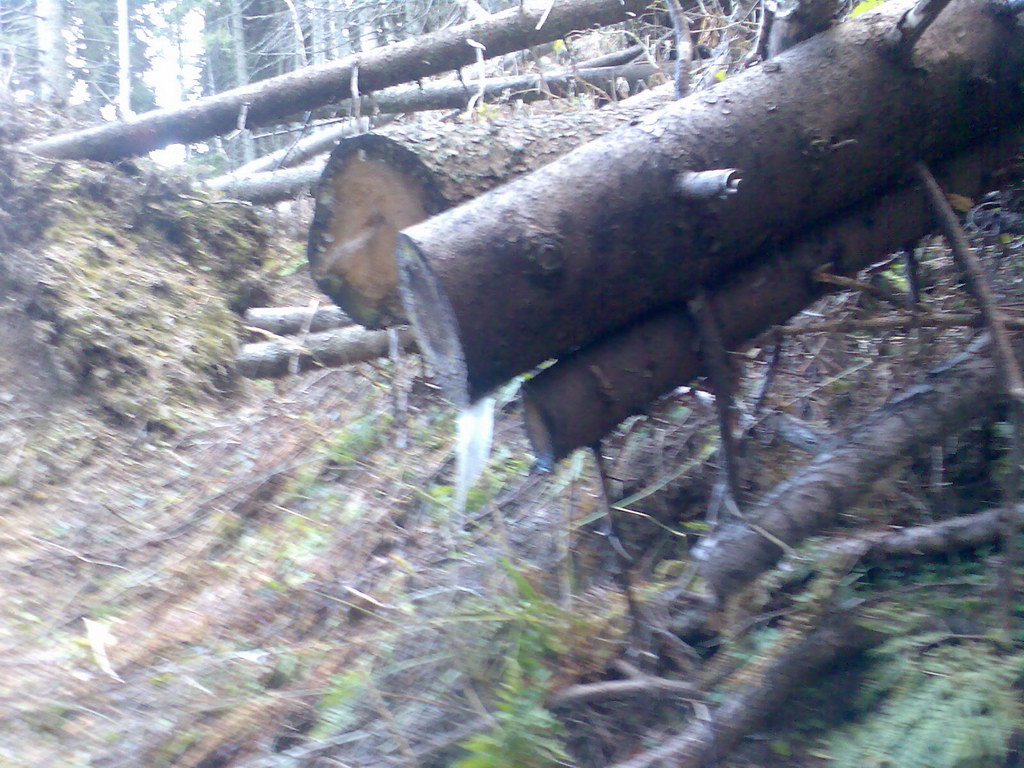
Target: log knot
[{"x": 545, "y": 254}]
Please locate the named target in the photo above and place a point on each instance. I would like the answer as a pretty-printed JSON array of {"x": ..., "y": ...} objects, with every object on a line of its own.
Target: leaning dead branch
[
  {"x": 298, "y": 152},
  {"x": 976, "y": 282},
  {"x": 1002, "y": 351}
]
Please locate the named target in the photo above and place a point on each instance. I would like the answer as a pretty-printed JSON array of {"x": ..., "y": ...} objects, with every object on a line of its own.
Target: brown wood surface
[{"x": 375, "y": 185}]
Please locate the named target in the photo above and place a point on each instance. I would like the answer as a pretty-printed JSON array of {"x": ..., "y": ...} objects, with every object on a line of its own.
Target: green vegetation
[
  {"x": 935, "y": 701},
  {"x": 525, "y": 733}
]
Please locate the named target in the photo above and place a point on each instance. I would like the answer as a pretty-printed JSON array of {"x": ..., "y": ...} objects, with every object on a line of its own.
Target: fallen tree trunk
[
  {"x": 603, "y": 235},
  {"x": 374, "y": 185},
  {"x": 272, "y": 186},
  {"x": 315, "y": 144},
  {"x": 284, "y": 321},
  {"x": 441, "y": 96},
  {"x": 958, "y": 533},
  {"x": 615, "y": 58},
  {"x": 530, "y": 87},
  {"x": 279, "y": 97},
  {"x": 813, "y": 497},
  {"x": 330, "y": 349},
  {"x": 575, "y": 402}
]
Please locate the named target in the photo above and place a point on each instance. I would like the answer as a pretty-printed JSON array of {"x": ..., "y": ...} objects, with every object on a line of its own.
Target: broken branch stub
[
  {"x": 375, "y": 185},
  {"x": 601, "y": 237}
]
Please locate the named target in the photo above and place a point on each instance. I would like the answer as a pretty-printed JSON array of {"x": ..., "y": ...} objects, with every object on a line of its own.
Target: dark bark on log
[
  {"x": 531, "y": 87},
  {"x": 279, "y": 97},
  {"x": 598, "y": 238},
  {"x": 581, "y": 397},
  {"x": 284, "y": 321},
  {"x": 272, "y": 186},
  {"x": 967, "y": 532},
  {"x": 704, "y": 742},
  {"x": 812, "y": 498},
  {"x": 374, "y": 185},
  {"x": 330, "y": 349}
]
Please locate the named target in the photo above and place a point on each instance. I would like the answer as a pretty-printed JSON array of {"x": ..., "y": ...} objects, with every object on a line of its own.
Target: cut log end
[
  {"x": 433, "y": 321},
  {"x": 539, "y": 432},
  {"x": 370, "y": 190}
]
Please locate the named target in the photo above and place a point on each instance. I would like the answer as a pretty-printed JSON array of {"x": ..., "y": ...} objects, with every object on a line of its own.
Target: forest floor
[{"x": 201, "y": 571}]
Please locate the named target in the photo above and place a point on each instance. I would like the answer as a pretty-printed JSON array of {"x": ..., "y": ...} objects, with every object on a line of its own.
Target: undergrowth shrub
[{"x": 933, "y": 703}]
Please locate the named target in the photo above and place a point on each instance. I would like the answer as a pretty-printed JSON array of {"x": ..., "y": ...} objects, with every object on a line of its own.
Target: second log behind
[{"x": 375, "y": 185}]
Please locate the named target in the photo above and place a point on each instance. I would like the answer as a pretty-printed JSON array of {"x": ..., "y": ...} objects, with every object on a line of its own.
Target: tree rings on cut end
[{"x": 371, "y": 189}]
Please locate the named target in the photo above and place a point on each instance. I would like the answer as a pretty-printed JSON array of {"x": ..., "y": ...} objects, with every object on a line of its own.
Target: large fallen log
[
  {"x": 377, "y": 184},
  {"x": 579, "y": 399},
  {"x": 279, "y": 97},
  {"x": 603, "y": 236}
]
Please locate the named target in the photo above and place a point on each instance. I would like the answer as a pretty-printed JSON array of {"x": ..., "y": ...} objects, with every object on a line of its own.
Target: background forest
[{"x": 239, "y": 530}]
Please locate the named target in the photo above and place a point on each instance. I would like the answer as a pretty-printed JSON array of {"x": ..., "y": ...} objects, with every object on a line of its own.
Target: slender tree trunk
[
  {"x": 236, "y": 17},
  {"x": 302, "y": 59},
  {"x": 318, "y": 46},
  {"x": 124, "y": 62},
  {"x": 335, "y": 34},
  {"x": 54, "y": 84}
]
